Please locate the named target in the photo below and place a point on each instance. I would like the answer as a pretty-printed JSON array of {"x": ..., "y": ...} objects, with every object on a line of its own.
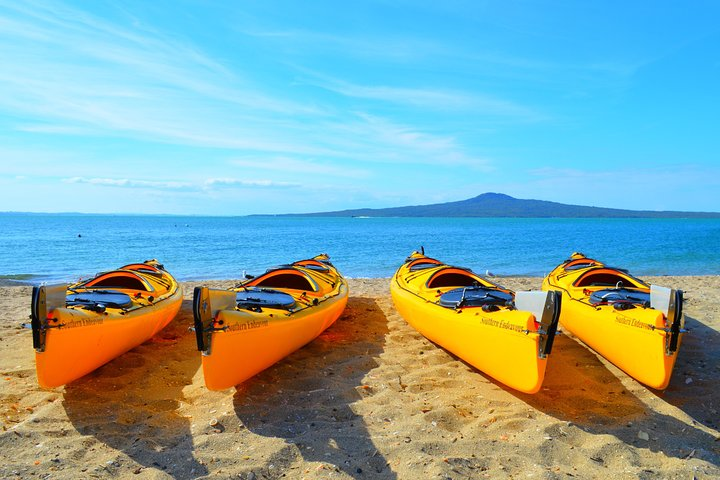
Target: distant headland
[{"x": 501, "y": 205}]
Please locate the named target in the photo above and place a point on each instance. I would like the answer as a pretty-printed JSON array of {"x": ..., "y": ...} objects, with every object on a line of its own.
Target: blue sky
[{"x": 233, "y": 108}]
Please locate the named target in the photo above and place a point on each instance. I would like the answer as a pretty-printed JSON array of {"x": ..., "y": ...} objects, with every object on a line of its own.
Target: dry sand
[{"x": 369, "y": 399}]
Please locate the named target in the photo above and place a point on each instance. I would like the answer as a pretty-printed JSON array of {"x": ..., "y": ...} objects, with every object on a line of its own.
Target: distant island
[{"x": 501, "y": 205}]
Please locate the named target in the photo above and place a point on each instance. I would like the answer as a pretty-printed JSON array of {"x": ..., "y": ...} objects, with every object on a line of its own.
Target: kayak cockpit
[
  {"x": 605, "y": 277},
  {"x": 453, "y": 277},
  {"x": 458, "y": 287},
  {"x": 122, "y": 279},
  {"x": 285, "y": 278}
]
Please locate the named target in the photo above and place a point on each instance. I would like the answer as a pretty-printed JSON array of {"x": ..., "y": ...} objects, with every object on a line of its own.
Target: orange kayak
[
  {"x": 244, "y": 330},
  {"x": 78, "y": 328}
]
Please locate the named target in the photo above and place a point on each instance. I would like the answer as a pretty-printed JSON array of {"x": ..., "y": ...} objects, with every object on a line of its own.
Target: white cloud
[
  {"x": 81, "y": 74},
  {"x": 388, "y": 48},
  {"x": 129, "y": 183},
  {"x": 55, "y": 129},
  {"x": 204, "y": 186},
  {"x": 432, "y": 98},
  {"x": 302, "y": 166},
  {"x": 71, "y": 73},
  {"x": 230, "y": 182},
  {"x": 387, "y": 141}
]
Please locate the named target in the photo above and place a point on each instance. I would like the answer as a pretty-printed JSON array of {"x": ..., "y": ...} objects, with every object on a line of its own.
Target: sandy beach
[{"x": 370, "y": 398}]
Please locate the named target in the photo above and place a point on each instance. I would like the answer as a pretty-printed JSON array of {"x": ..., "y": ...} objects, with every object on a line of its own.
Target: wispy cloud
[
  {"x": 652, "y": 175},
  {"x": 234, "y": 182},
  {"x": 405, "y": 144},
  {"x": 77, "y": 72},
  {"x": 206, "y": 185},
  {"x": 301, "y": 166},
  {"x": 72, "y": 73},
  {"x": 404, "y": 49},
  {"x": 54, "y": 129},
  {"x": 380, "y": 48},
  {"x": 130, "y": 183},
  {"x": 86, "y": 44},
  {"x": 432, "y": 98}
]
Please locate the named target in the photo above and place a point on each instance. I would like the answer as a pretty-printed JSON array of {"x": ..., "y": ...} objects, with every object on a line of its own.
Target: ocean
[{"x": 37, "y": 248}]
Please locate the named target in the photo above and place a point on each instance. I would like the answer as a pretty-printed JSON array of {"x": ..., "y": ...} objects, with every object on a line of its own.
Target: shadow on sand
[
  {"x": 698, "y": 364},
  {"x": 580, "y": 389},
  {"x": 307, "y": 399},
  {"x": 130, "y": 404}
]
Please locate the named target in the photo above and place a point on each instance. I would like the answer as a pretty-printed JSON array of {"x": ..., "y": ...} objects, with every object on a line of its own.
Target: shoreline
[{"x": 369, "y": 398}]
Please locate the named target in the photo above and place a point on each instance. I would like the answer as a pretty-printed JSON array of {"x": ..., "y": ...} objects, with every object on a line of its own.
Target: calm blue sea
[{"x": 36, "y": 248}]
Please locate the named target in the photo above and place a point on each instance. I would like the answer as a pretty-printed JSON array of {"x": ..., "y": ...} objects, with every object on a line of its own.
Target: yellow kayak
[
  {"x": 636, "y": 326},
  {"x": 244, "y": 330},
  {"x": 78, "y": 328},
  {"x": 505, "y": 335}
]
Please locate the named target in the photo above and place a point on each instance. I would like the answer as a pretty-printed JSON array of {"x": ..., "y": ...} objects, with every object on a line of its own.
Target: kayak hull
[
  {"x": 504, "y": 343},
  {"x": 637, "y": 340},
  {"x": 240, "y": 336},
  {"x": 254, "y": 342},
  {"x": 78, "y": 340}
]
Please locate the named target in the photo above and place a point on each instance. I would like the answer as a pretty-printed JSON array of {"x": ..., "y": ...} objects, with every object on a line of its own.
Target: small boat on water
[
  {"x": 79, "y": 327},
  {"x": 244, "y": 330},
  {"x": 636, "y": 326},
  {"x": 504, "y": 334}
]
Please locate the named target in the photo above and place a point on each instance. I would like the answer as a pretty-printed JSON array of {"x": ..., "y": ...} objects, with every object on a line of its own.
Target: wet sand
[{"x": 369, "y": 399}]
